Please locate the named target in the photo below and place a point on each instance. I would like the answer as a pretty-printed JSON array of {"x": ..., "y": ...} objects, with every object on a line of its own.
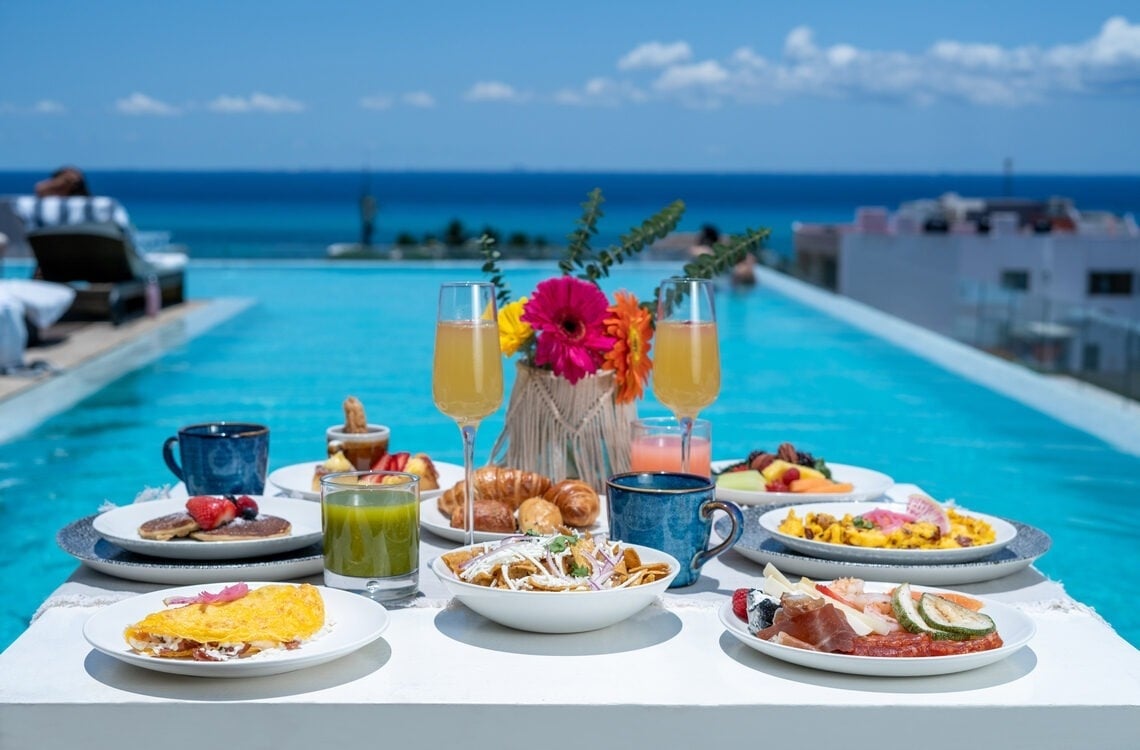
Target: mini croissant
[
  {"x": 577, "y": 500},
  {"x": 511, "y": 486}
]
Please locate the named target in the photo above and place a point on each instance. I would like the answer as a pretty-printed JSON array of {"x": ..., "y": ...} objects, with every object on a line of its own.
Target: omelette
[{"x": 270, "y": 617}]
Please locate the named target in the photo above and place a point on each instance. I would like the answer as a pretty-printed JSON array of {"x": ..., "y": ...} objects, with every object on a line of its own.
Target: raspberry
[
  {"x": 740, "y": 603},
  {"x": 790, "y": 475}
]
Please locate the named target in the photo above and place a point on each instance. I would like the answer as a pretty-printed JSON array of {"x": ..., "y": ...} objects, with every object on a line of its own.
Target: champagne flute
[
  {"x": 686, "y": 368},
  {"x": 467, "y": 373}
]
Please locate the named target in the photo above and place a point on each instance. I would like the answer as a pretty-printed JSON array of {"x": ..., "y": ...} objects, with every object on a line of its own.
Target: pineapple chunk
[
  {"x": 775, "y": 470},
  {"x": 336, "y": 462}
]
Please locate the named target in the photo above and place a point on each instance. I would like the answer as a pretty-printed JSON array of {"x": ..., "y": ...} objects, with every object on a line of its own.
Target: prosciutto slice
[{"x": 823, "y": 627}]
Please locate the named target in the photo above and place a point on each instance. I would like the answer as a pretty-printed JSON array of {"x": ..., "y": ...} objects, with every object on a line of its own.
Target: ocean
[{"x": 298, "y": 214}]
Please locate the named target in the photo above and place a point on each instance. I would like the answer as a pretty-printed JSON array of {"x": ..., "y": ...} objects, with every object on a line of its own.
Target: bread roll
[
  {"x": 539, "y": 515},
  {"x": 577, "y": 501},
  {"x": 511, "y": 486},
  {"x": 490, "y": 515}
]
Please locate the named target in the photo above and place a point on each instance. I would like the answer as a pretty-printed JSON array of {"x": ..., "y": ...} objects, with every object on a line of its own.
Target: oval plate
[
  {"x": 868, "y": 485},
  {"x": 771, "y": 520},
  {"x": 353, "y": 621},
  {"x": 120, "y": 526},
  {"x": 432, "y": 520},
  {"x": 1015, "y": 628},
  {"x": 297, "y": 480}
]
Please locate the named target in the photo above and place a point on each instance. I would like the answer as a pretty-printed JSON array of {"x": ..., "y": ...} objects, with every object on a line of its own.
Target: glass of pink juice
[{"x": 656, "y": 446}]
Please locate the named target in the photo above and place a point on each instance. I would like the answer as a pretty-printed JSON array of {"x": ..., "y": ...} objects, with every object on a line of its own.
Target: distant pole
[{"x": 1007, "y": 177}]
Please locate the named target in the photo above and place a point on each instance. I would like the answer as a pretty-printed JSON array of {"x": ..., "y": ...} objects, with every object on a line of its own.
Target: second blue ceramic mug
[
  {"x": 671, "y": 512},
  {"x": 220, "y": 458}
]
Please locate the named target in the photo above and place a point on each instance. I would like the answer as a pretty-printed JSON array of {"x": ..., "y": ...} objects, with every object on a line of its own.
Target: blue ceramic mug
[
  {"x": 671, "y": 512},
  {"x": 219, "y": 458}
]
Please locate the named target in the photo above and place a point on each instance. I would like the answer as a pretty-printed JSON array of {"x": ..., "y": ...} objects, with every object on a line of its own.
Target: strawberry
[
  {"x": 392, "y": 461},
  {"x": 210, "y": 512},
  {"x": 740, "y": 603}
]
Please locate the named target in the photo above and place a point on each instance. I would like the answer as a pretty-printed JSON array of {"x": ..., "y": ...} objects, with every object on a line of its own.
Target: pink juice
[{"x": 663, "y": 453}]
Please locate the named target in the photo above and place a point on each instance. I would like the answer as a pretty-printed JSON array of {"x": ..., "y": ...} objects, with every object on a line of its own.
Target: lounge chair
[{"x": 108, "y": 274}]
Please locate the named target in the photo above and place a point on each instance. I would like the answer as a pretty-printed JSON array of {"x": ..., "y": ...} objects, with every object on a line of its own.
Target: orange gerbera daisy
[{"x": 632, "y": 326}]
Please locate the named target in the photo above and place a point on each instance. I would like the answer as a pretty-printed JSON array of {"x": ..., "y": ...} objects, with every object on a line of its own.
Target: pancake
[
  {"x": 168, "y": 527},
  {"x": 270, "y": 617},
  {"x": 241, "y": 529}
]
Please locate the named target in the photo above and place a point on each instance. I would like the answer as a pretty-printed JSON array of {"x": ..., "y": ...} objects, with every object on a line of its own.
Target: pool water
[{"x": 317, "y": 333}]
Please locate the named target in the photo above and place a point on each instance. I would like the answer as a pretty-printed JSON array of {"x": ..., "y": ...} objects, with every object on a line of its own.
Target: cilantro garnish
[
  {"x": 579, "y": 571},
  {"x": 560, "y": 543}
]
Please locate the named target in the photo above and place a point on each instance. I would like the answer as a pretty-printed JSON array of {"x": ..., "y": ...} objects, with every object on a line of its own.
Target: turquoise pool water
[{"x": 316, "y": 333}]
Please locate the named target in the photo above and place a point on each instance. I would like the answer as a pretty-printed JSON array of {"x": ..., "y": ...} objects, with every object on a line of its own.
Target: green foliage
[
  {"x": 591, "y": 265},
  {"x": 491, "y": 258},
  {"x": 721, "y": 259},
  {"x": 454, "y": 235}
]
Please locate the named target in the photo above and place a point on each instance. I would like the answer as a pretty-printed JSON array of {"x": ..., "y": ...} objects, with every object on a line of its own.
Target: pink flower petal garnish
[{"x": 228, "y": 594}]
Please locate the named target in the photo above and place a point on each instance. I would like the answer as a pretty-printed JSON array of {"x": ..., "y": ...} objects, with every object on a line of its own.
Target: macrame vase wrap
[{"x": 565, "y": 431}]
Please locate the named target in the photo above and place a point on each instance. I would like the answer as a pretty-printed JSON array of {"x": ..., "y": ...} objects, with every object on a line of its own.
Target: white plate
[
  {"x": 771, "y": 520},
  {"x": 353, "y": 621},
  {"x": 759, "y": 546},
  {"x": 558, "y": 611},
  {"x": 868, "y": 484},
  {"x": 121, "y": 525},
  {"x": 1014, "y": 627},
  {"x": 79, "y": 540},
  {"x": 297, "y": 480},
  {"x": 440, "y": 525}
]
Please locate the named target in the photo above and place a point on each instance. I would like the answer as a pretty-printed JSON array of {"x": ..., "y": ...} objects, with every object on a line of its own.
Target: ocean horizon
[{"x": 282, "y": 214}]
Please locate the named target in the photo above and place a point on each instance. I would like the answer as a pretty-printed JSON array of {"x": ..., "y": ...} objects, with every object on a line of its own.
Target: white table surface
[{"x": 442, "y": 676}]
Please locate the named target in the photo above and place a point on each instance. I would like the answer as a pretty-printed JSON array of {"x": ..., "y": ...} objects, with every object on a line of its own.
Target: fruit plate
[
  {"x": 432, "y": 520},
  {"x": 867, "y": 485},
  {"x": 297, "y": 480},
  {"x": 559, "y": 611},
  {"x": 352, "y": 622},
  {"x": 1014, "y": 626},
  {"x": 771, "y": 520},
  {"x": 120, "y": 526}
]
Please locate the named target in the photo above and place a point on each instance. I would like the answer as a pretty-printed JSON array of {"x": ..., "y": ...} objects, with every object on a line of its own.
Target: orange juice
[
  {"x": 686, "y": 368},
  {"x": 663, "y": 453},
  {"x": 467, "y": 377}
]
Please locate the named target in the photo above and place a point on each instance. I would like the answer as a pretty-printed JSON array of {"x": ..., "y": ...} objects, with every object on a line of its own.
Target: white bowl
[{"x": 558, "y": 611}]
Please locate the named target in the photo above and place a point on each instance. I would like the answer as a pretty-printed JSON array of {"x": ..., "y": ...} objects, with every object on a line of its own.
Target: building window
[
  {"x": 1017, "y": 281},
  {"x": 1116, "y": 283}
]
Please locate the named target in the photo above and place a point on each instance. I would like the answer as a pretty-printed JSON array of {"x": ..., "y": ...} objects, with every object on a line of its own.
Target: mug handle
[
  {"x": 737, "y": 519},
  {"x": 168, "y": 456}
]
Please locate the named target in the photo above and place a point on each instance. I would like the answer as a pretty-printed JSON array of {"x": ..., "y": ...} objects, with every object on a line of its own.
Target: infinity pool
[{"x": 317, "y": 333}]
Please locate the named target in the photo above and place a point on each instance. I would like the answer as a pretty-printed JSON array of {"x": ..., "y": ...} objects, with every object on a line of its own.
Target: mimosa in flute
[
  {"x": 467, "y": 374},
  {"x": 686, "y": 369}
]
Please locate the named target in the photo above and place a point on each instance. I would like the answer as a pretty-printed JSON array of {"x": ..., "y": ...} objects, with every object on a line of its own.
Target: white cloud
[
  {"x": 48, "y": 107},
  {"x": 493, "y": 91},
  {"x": 707, "y": 73},
  {"x": 655, "y": 55},
  {"x": 601, "y": 92},
  {"x": 420, "y": 99},
  {"x": 141, "y": 104},
  {"x": 376, "y": 101},
  {"x": 256, "y": 102}
]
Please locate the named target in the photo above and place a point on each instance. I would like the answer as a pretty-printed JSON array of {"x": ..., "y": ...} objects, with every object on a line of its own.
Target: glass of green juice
[{"x": 371, "y": 525}]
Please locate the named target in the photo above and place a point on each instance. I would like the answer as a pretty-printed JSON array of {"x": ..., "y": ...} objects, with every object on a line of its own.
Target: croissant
[
  {"x": 490, "y": 515},
  {"x": 577, "y": 500},
  {"x": 511, "y": 486}
]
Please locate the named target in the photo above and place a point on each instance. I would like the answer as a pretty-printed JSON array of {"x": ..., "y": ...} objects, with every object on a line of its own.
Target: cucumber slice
[
  {"x": 747, "y": 481},
  {"x": 906, "y": 612},
  {"x": 953, "y": 618}
]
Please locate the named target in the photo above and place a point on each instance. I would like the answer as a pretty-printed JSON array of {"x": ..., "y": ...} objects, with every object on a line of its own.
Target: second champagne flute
[
  {"x": 467, "y": 373},
  {"x": 686, "y": 368}
]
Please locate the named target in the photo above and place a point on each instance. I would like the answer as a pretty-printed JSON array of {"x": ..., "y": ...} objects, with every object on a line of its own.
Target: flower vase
[{"x": 564, "y": 430}]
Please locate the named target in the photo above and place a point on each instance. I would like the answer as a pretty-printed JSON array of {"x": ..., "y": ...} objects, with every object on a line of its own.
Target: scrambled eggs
[{"x": 965, "y": 531}]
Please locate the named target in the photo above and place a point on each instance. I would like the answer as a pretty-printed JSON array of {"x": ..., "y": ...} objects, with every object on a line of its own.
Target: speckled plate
[
  {"x": 759, "y": 545},
  {"x": 80, "y": 540}
]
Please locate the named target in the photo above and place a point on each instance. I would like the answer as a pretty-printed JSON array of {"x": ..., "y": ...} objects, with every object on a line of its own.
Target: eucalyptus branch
[
  {"x": 652, "y": 229},
  {"x": 491, "y": 258},
  {"x": 578, "y": 251},
  {"x": 721, "y": 259}
]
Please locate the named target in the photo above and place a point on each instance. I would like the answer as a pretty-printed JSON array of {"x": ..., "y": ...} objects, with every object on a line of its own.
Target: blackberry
[{"x": 803, "y": 458}]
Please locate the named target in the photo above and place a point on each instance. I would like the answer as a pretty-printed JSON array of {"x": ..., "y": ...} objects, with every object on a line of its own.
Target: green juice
[{"x": 372, "y": 534}]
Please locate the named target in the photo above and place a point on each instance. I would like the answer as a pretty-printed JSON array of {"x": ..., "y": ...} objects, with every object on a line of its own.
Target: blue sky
[{"x": 707, "y": 86}]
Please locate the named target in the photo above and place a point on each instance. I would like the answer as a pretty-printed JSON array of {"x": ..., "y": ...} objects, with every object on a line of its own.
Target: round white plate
[
  {"x": 121, "y": 525},
  {"x": 440, "y": 525},
  {"x": 559, "y": 611},
  {"x": 867, "y": 485},
  {"x": 352, "y": 622},
  {"x": 297, "y": 480},
  {"x": 771, "y": 520},
  {"x": 80, "y": 540},
  {"x": 1014, "y": 626},
  {"x": 758, "y": 545}
]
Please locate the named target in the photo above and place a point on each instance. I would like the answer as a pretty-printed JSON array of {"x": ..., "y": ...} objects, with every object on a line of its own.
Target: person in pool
[{"x": 64, "y": 182}]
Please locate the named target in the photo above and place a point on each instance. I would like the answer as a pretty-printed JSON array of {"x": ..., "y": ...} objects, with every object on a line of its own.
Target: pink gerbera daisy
[{"x": 569, "y": 316}]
